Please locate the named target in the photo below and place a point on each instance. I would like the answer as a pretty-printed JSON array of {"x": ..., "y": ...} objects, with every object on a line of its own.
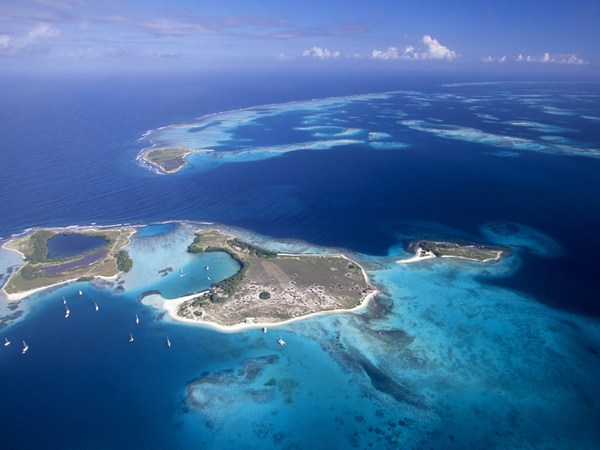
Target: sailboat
[
  {"x": 208, "y": 278},
  {"x": 6, "y": 342},
  {"x": 67, "y": 312},
  {"x": 137, "y": 320},
  {"x": 25, "y": 348},
  {"x": 206, "y": 267},
  {"x": 168, "y": 342},
  {"x": 264, "y": 329},
  {"x": 181, "y": 273},
  {"x": 130, "y": 337},
  {"x": 64, "y": 300},
  {"x": 281, "y": 342},
  {"x": 80, "y": 292},
  {"x": 96, "y": 307}
]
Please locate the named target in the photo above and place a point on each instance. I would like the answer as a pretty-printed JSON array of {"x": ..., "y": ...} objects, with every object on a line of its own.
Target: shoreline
[
  {"x": 18, "y": 296},
  {"x": 496, "y": 258},
  {"x": 203, "y": 119},
  {"x": 421, "y": 255},
  {"x": 170, "y": 306},
  {"x": 157, "y": 168}
]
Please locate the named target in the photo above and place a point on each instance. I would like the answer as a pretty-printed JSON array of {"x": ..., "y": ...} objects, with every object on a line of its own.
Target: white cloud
[
  {"x": 491, "y": 59},
  {"x": 42, "y": 31},
  {"x": 4, "y": 41},
  {"x": 432, "y": 50},
  {"x": 549, "y": 58},
  {"x": 435, "y": 50},
  {"x": 320, "y": 53},
  {"x": 29, "y": 43},
  {"x": 390, "y": 53}
]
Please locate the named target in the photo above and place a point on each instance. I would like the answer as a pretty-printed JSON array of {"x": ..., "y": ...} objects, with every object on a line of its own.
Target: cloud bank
[
  {"x": 492, "y": 59},
  {"x": 320, "y": 53},
  {"x": 30, "y": 43},
  {"x": 548, "y": 58},
  {"x": 431, "y": 49}
]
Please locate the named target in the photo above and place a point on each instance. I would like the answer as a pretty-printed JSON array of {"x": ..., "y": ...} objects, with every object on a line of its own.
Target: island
[
  {"x": 272, "y": 287},
  {"x": 268, "y": 287},
  {"x": 442, "y": 249},
  {"x": 80, "y": 253},
  {"x": 166, "y": 160}
]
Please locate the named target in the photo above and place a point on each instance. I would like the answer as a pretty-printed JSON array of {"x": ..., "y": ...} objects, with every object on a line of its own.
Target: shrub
[{"x": 124, "y": 262}]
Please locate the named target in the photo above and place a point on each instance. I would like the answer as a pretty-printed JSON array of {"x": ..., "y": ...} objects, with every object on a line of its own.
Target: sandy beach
[
  {"x": 160, "y": 170},
  {"x": 172, "y": 306},
  {"x": 89, "y": 228},
  {"x": 420, "y": 255}
]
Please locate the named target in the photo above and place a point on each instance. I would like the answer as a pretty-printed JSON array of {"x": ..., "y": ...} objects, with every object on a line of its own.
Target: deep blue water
[
  {"x": 68, "y": 158},
  {"x": 66, "y": 245}
]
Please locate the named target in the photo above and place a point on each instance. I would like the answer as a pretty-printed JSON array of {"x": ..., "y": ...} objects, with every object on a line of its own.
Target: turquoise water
[
  {"x": 439, "y": 359},
  {"x": 156, "y": 229},
  {"x": 162, "y": 264},
  {"x": 450, "y": 354}
]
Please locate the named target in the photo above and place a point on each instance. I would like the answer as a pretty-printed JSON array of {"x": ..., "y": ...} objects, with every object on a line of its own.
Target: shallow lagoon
[
  {"x": 437, "y": 350},
  {"x": 451, "y": 354},
  {"x": 65, "y": 245}
]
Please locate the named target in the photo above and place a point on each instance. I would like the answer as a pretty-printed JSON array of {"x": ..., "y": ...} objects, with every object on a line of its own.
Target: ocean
[{"x": 449, "y": 354}]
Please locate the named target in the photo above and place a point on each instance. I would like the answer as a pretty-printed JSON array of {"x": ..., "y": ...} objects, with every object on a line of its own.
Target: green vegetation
[
  {"x": 39, "y": 271},
  {"x": 124, "y": 262},
  {"x": 29, "y": 273},
  {"x": 200, "y": 301},
  {"x": 353, "y": 269},
  {"x": 39, "y": 246},
  {"x": 214, "y": 248},
  {"x": 168, "y": 160},
  {"x": 36, "y": 250},
  {"x": 251, "y": 249},
  {"x": 195, "y": 246},
  {"x": 433, "y": 247},
  {"x": 303, "y": 284},
  {"x": 466, "y": 251},
  {"x": 229, "y": 285}
]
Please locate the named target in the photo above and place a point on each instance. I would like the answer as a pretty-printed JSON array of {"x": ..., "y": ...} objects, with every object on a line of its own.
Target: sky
[{"x": 105, "y": 35}]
